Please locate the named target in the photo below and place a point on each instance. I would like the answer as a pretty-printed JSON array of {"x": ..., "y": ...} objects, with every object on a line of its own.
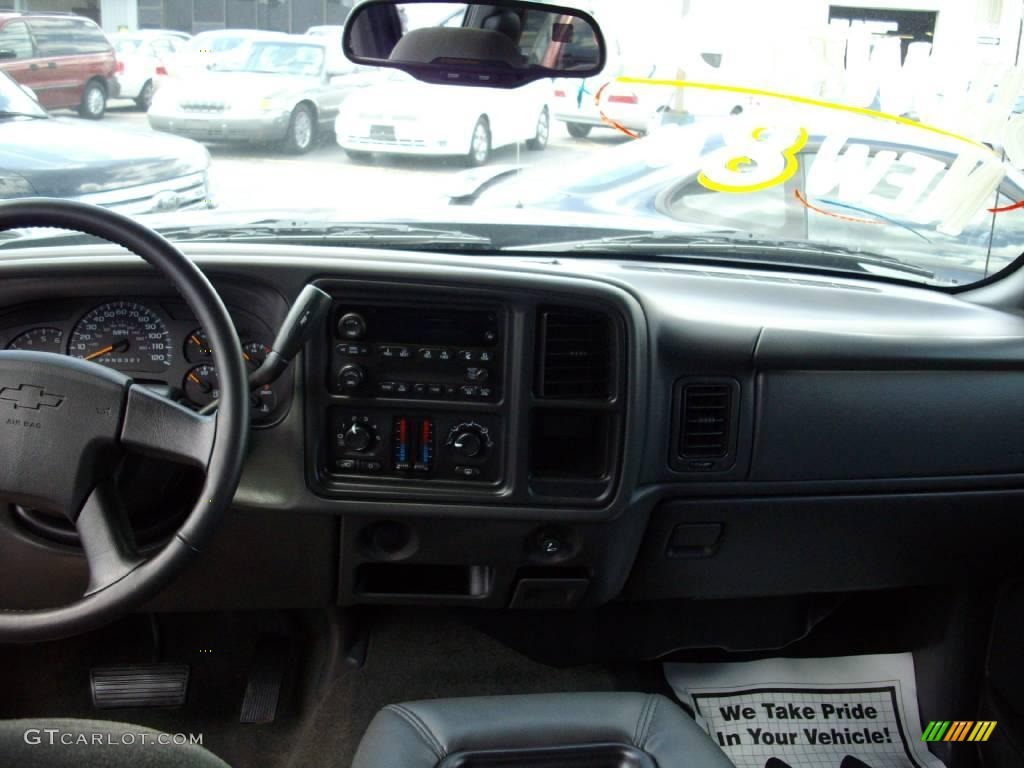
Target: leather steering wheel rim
[{"x": 149, "y": 424}]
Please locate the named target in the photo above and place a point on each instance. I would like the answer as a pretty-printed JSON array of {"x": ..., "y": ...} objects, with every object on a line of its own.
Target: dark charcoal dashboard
[{"x": 528, "y": 433}]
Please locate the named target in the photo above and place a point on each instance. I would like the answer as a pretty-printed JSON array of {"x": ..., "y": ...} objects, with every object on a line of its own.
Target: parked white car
[
  {"x": 400, "y": 115},
  {"x": 207, "y": 49},
  {"x": 141, "y": 58},
  {"x": 640, "y": 108}
]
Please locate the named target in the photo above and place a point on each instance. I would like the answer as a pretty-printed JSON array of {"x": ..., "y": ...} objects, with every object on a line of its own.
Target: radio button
[
  {"x": 468, "y": 390},
  {"x": 485, "y": 357},
  {"x": 401, "y": 388},
  {"x": 484, "y": 392},
  {"x": 467, "y": 355},
  {"x": 386, "y": 387},
  {"x": 352, "y": 350},
  {"x": 346, "y": 465},
  {"x": 419, "y": 389},
  {"x": 468, "y": 472},
  {"x": 371, "y": 466},
  {"x": 432, "y": 354},
  {"x": 450, "y": 390},
  {"x": 435, "y": 389}
]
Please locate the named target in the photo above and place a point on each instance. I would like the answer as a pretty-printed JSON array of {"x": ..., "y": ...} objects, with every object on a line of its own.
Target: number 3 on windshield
[{"x": 760, "y": 159}]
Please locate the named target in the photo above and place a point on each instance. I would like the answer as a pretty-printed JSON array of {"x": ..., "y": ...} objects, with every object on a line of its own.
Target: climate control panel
[{"x": 415, "y": 444}]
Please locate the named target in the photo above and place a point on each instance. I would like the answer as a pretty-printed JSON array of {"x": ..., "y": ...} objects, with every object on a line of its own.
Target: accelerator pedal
[
  {"x": 263, "y": 691},
  {"x": 139, "y": 685}
]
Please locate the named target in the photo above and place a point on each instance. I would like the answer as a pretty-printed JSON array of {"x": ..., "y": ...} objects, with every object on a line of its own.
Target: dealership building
[
  {"x": 994, "y": 24},
  {"x": 198, "y": 15}
]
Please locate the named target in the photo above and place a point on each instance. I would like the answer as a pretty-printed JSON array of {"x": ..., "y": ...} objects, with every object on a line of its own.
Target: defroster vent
[{"x": 577, "y": 354}]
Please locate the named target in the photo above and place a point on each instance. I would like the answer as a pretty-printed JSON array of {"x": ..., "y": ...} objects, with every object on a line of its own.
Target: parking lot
[{"x": 253, "y": 176}]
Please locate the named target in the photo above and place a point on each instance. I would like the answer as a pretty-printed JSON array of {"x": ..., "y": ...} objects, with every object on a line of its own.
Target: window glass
[
  {"x": 55, "y": 37},
  {"x": 15, "y": 41},
  {"x": 88, "y": 38}
]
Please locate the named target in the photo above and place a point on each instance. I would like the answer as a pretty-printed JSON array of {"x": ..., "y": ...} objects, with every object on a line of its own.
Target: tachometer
[
  {"x": 40, "y": 340},
  {"x": 123, "y": 335}
]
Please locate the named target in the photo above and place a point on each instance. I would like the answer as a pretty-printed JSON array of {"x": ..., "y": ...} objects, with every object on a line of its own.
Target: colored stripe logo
[{"x": 958, "y": 730}]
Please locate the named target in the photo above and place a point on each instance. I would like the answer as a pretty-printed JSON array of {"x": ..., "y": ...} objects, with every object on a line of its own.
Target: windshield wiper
[
  {"x": 371, "y": 233},
  {"x": 34, "y": 116},
  {"x": 790, "y": 252}
]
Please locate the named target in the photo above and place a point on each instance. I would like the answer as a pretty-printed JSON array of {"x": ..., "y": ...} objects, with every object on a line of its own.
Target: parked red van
[{"x": 66, "y": 59}]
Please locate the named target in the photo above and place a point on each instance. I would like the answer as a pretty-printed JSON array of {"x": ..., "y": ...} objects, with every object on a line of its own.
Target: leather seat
[
  {"x": 73, "y": 743},
  {"x": 425, "y": 734}
]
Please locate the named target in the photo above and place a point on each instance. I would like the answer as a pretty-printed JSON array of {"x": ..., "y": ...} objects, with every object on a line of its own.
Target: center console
[
  {"x": 465, "y": 395},
  {"x": 418, "y": 392},
  {"x": 430, "y": 405}
]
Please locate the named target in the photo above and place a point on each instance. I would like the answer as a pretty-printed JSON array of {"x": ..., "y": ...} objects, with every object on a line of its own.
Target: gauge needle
[
  {"x": 193, "y": 377},
  {"x": 196, "y": 340},
  {"x": 122, "y": 344}
]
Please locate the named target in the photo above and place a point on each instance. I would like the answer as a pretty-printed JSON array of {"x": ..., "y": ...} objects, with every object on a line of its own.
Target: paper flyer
[{"x": 845, "y": 712}]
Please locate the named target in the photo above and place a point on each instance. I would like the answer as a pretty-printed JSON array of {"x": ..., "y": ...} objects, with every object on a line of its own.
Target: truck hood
[{"x": 63, "y": 157}]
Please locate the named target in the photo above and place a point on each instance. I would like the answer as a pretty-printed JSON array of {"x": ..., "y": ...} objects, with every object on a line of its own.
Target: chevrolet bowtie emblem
[{"x": 30, "y": 397}]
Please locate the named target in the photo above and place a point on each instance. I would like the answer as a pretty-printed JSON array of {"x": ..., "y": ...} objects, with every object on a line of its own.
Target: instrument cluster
[{"x": 152, "y": 341}]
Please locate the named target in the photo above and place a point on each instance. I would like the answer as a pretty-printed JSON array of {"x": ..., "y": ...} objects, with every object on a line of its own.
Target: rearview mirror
[{"x": 499, "y": 44}]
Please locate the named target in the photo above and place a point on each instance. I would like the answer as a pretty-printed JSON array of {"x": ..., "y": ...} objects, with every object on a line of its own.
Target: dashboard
[
  {"x": 155, "y": 340},
  {"x": 522, "y": 433}
]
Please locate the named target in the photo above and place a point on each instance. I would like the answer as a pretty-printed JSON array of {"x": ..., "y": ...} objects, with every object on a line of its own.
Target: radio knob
[
  {"x": 358, "y": 438},
  {"x": 351, "y": 377},
  {"x": 352, "y": 326}
]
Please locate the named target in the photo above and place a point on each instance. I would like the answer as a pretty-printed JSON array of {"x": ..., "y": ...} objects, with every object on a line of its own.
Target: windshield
[
  {"x": 884, "y": 140},
  {"x": 126, "y": 45},
  {"x": 276, "y": 58},
  {"x": 16, "y": 102}
]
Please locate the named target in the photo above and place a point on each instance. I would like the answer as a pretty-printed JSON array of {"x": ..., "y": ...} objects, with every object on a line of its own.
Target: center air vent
[
  {"x": 576, "y": 354},
  {"x": 707, "y": 424}
]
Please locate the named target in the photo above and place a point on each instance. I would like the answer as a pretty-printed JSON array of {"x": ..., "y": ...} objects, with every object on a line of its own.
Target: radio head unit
[{"x": 402, "y": 351}]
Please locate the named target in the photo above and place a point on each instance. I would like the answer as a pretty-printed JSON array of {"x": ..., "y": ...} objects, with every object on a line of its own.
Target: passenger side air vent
[
  {"x": 707, "y": 424},
  {"x": 576, "y": 355}
]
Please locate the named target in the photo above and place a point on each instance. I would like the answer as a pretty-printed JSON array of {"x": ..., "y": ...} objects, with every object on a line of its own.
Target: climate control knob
[
  {"x": 467, "y": 444},
  {"x": 358, "y": 438},
  {"x": 351, "y": 377},
  {"x": 469, "y": 440}
]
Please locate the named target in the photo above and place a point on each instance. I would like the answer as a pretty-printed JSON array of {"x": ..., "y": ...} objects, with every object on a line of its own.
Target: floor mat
[{"x": 844, "y": 712}]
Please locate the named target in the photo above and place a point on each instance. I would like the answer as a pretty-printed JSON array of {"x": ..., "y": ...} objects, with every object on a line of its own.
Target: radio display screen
[{"x": 428, "y": 326}]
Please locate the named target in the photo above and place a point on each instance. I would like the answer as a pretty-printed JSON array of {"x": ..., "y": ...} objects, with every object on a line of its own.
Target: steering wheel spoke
[
  {"x": 66, "y": 423},
  {"x": 106, "y": 539},
  {"x": 156, "y": 426}
]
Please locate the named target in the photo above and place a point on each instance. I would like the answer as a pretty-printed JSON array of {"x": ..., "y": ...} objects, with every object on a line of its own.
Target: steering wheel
[{"x": 65, "y": 425}]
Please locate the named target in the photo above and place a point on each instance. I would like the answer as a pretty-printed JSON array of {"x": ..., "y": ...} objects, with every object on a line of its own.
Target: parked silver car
[{"x": 277, "y": 88}]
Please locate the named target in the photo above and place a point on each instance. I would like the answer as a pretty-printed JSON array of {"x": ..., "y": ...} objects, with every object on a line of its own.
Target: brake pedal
[
  {"x": 139, "y": 685},
  {"x": 263, "y": 691}
]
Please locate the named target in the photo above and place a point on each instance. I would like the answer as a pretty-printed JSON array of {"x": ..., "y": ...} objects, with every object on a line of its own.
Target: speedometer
[{"x": 123, "y": 335}]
